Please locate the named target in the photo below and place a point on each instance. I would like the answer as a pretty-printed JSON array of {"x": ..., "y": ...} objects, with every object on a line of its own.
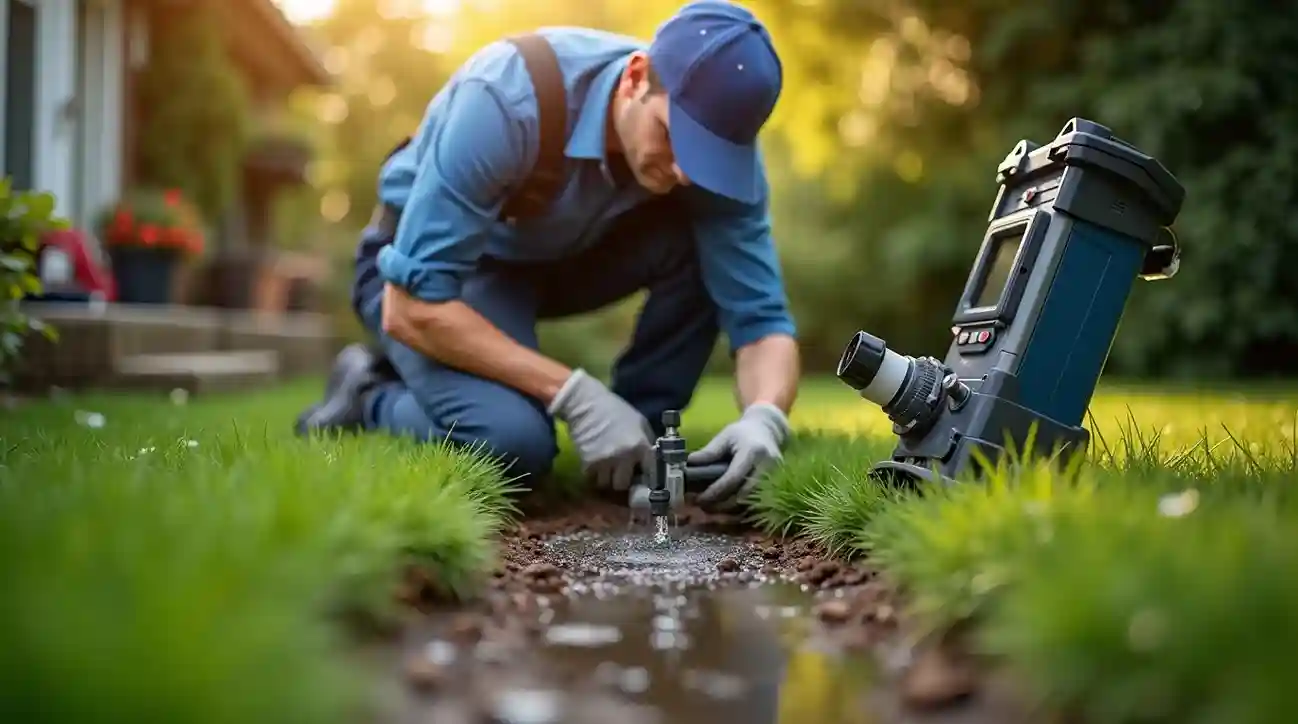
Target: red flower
[
  {"x": 171, "y": 197},
  {"x": 122, "y": 221},
  {"x": 149, "y": 234}
]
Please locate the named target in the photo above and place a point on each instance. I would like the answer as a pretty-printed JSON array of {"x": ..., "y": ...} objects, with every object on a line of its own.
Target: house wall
[
  {"x": 55, "y": 129},
  {"x": 98, "y": 169},
  {"x": 76, "y": 112},
  {"x": 18, "y": 86},
  {"x": 135, "y": 55}
]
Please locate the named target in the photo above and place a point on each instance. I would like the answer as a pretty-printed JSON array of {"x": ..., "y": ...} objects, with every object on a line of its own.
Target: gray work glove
[
  {"x": 612, "y": 438},
  {"x": 753, "y": 444}
]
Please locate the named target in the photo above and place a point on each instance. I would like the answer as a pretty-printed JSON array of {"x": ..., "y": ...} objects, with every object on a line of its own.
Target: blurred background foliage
[{"x": 884, "y": 147}]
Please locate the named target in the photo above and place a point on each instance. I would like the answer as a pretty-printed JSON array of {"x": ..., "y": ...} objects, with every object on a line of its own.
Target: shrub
[{"x": 25, "y": 218}]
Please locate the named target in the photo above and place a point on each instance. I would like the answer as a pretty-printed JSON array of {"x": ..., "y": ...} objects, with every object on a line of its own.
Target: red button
[{"x": 984, "y": 335}]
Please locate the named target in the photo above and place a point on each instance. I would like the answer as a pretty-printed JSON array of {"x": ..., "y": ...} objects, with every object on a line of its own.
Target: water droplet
[
  {"x": 634, "y": 680},
  {"x": 441, "y": 653},
  {"x": 1178, "y": 505},
  {"x": 528, "y": 706},
  {"x": 580, "y": 634}
]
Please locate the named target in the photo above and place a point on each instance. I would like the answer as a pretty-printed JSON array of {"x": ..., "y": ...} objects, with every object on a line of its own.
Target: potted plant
[{"x": 148, "y": 233}]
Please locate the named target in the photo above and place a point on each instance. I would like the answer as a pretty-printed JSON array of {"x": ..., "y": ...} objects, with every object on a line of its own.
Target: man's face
[{"x": 644, "y": 131}]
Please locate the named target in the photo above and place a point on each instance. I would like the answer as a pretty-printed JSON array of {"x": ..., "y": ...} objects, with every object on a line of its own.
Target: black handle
[{"x": 698, "y": 477}]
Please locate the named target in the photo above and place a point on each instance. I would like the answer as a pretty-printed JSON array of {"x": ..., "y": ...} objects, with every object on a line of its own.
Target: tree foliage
[
  {"x": 894, "y": 116},
  {"x": 194, "y": 111}
]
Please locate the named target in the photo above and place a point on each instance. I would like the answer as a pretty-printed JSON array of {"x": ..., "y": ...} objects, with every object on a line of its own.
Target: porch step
[
  {"x": 304, "y": 341},
  {"x": 197, "y": 372},
  {"x": 111, "y": 331},
  {"x": 93, "y": 338}
]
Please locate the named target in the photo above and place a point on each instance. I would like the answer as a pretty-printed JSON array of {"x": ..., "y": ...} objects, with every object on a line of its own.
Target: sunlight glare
[
  {"x": 301, "y": 12},
  {"x": 308, "y": 11}
]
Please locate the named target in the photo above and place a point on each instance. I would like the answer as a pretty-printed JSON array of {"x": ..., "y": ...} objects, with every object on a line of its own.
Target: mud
[{"x": 588, "y": 620}]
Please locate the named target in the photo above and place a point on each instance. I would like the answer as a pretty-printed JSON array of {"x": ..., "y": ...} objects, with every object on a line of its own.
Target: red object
[{"x": 91, "y": 276}]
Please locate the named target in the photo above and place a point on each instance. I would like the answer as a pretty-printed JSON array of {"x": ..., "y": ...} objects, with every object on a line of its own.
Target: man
[{"x": 662, "y": 189}]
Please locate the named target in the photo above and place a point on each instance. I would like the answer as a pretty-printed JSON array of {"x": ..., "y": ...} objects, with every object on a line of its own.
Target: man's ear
[{"x": 637, "y": 79}]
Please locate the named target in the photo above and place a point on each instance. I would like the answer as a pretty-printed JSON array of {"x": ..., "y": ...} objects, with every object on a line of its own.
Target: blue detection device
[{"x": 1074, "y": 224}]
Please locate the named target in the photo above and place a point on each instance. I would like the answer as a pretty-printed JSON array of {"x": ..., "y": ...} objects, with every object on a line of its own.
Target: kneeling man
[{"x": 556, "y": 174}]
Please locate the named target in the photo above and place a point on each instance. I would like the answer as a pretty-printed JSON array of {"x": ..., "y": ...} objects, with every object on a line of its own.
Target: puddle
[
  {"x": 612, "y": 564},
  {"x": 653, "y": 635}
]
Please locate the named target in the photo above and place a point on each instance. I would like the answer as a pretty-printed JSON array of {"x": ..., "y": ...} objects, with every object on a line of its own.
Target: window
[{"x": 20, "y": 92}]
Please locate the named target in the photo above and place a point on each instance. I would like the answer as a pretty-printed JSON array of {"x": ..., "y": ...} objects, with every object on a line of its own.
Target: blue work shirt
[{"x": 479, "y": 139}]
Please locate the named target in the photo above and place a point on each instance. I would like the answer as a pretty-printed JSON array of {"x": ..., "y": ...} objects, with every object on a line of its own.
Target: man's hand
[
  {"x": 612, "y": 438},
  {"x": 753, "y": 444}
]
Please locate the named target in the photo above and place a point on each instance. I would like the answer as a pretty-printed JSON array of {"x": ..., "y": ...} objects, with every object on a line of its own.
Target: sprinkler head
[{"x": 659, "y": 502}]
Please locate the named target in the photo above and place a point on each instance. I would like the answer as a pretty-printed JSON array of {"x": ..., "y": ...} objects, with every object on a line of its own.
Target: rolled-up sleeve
[
  {"x": 469, "y": 155},
  {"x": 740, "y": 267}
]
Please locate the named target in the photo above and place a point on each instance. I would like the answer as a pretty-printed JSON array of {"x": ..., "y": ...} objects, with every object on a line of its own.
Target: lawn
[{"x": 191, "y": 561}]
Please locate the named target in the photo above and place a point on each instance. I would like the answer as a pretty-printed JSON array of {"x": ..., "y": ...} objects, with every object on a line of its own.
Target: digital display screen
[{"x": 999, "y": 267}]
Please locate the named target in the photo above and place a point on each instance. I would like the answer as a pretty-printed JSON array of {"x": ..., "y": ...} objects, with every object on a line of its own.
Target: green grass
[
  {"x": 1159, "y": 583},
  {"x": 148, "y": 577}
]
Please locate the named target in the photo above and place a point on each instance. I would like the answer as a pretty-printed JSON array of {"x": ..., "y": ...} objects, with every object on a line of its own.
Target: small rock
[
  {"x": 727, "y": 565},
  {"x": 884, "y": 614},
  {"x": 466, "y": 628},
  {"x": 854, "y": 577},
  {"x": 822, "y": 572},
  {"x": 807, "y": 563},
  {"x": 541, "y": 570},
  {"x": 545, "y": 585},
  {"x": 834, "y": 611},
  {"x": 935, "y": 680},
  {"x": 872, "y": 594},
  {"x": 528, "y": 706},
  {"x": 771, "y": 553},
  {"x": 423, "y": 674},
  {"x": 441, "y": 653}
]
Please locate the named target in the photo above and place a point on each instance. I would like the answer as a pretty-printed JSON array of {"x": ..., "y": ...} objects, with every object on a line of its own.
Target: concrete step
[
  {"x": 111, "y": 331},
  {"x": 197, "y": 372},
  {"x": 93, "y": 337},
  {"x": 305, "y": 342}
]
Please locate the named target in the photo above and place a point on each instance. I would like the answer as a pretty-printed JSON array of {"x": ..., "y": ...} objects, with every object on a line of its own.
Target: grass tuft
[
  {"x": 183, "y": 564},
  {"x": 191, "y": 562},
  {"x": 1155, "y": 582}
]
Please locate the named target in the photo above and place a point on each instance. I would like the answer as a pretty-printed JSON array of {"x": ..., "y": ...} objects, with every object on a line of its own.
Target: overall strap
[{"x": 545, "y": 182}]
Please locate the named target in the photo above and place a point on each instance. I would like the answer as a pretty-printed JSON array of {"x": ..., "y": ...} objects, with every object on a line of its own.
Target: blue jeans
[{"x": 649, "y": 248}]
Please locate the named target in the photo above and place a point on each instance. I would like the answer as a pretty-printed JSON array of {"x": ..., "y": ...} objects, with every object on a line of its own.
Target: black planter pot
[{"x": 144, "y": 276}]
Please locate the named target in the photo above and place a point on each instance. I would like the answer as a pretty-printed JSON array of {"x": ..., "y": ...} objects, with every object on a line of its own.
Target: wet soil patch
[{"x": 586, "y": 619}]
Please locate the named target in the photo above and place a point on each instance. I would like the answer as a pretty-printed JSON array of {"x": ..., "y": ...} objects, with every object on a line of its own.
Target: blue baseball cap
[{"x": 721, "y": 72}]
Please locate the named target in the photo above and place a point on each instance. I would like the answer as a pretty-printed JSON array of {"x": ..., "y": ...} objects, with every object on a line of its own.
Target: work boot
[{"x": 357, "y": 369}]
